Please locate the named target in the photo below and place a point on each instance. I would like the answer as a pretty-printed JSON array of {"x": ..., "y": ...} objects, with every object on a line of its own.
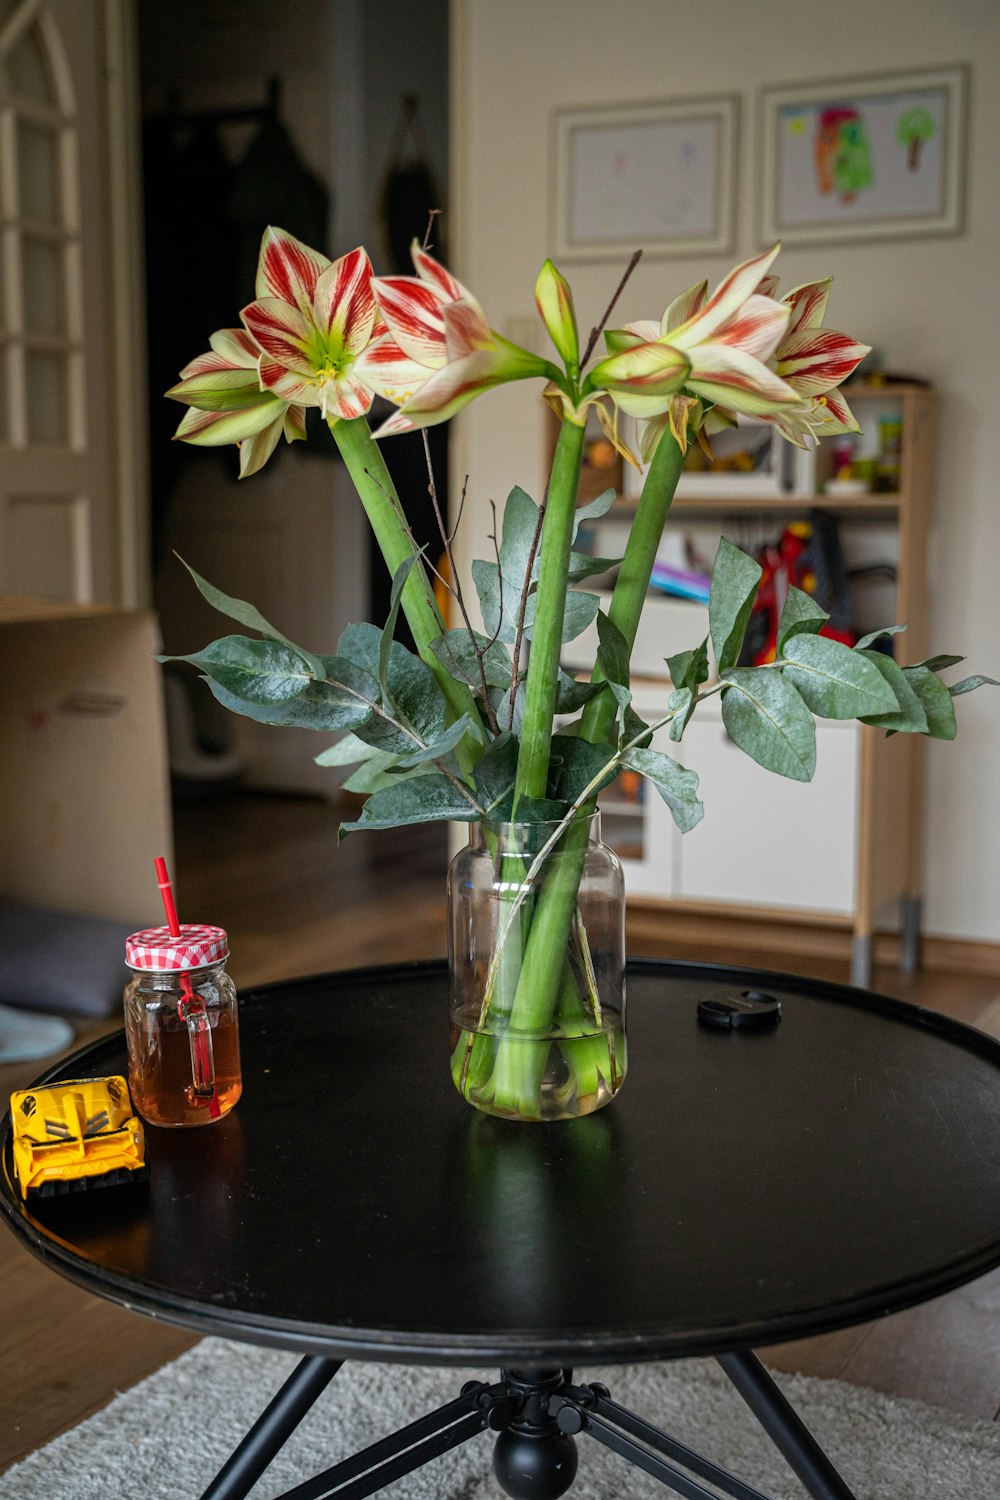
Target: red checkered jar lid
[{"x": 196, "y": 948}]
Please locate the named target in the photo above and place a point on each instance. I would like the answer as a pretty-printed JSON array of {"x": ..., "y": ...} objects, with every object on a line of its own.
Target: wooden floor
[{"x": 271, "y": 872}]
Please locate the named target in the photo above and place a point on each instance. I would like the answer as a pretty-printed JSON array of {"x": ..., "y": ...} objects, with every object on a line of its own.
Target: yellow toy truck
[{"x": 75, "y": 1135}]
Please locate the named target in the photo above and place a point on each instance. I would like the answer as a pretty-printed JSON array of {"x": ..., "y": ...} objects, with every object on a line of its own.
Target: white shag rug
[{"x": 167, "y": 1437}]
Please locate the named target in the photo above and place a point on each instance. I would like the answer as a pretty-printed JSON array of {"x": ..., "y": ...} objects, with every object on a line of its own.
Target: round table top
[{"x": 744, "y": 1187}]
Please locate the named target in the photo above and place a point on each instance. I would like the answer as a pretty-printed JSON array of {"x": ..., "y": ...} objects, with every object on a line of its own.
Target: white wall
[{"x": 931, "y": 304}]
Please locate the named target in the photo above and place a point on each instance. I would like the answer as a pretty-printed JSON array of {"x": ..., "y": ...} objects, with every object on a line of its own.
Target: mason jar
[{"x": 181, "y": 1026}]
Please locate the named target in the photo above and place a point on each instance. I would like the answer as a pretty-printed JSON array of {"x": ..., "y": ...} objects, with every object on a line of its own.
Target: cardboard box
[{"x": 84, "y": 781}]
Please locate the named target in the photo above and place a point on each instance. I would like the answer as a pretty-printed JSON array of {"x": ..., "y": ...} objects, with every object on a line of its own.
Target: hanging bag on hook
[{"x": 409, "y": 190}]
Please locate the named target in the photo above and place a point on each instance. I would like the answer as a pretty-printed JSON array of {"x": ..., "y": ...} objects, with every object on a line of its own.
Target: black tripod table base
[{"x": 537, "y": 1415}]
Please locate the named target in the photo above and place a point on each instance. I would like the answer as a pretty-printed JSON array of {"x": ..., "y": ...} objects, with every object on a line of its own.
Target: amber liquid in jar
[{"x": 160, "y": 1072}]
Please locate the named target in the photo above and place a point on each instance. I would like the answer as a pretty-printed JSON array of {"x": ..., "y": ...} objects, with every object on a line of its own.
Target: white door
[{"x": 61, "y": 533}]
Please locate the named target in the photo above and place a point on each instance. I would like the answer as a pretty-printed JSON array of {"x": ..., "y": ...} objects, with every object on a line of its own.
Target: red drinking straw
[{"x": 166, "y": 892}]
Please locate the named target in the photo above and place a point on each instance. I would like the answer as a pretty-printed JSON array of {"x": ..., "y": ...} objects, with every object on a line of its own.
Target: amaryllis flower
[
  {"x": 437, "y": 351},
  {"x": 312, "y": 319},
  {"x": 704, "y": 350},
  {"x": 814, "y": 361},
  {"x": 223, "y": 390}
]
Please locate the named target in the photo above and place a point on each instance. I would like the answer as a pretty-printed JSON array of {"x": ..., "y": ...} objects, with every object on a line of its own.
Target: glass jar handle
[{"x": 191, "y": 1009}]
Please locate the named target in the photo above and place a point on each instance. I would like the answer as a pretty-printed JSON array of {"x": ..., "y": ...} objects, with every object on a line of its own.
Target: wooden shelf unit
[{"x": 880, "y": 785}]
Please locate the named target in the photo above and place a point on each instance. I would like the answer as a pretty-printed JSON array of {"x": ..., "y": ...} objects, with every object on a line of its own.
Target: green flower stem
[
  {"x": 632, "y": 584},
  {"x": 546, "y": 636},
  {"x": 542, "y": 966},
  {"x": 377, "y": 493}
]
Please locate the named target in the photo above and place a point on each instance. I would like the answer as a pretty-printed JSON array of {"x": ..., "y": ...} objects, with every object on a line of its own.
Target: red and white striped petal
[
  {"x": 767, "y": 286},
  {"x": 645, "y": 331},
  {"x": 436, "y": 275},
  {"x": 255, "y": 451},
  {"x": 814, "y": 360},
  {"x": 388, "y": 371},
  {"x": 344, "y": 303},
  {"x": 756, "y": 328},
  {"x": 288, "y": 270},
  {"x": 446, "y": 392},
  {"x": 294, "y": 426},
  {"x": 395, "y": 424},
  {"x": 413, "y": 311},
  {"x": 833, "y": 415},
  {"x": 808, "y": 304},
  {"x": 683, "y": 307},
  {"x": 347, "y": 397},
  {"x": 282, "y": 332},
  {"x": 644, "y": 369},
  {"x": 213, "y": 429},
  {"x": 237, "y": 346},
  {"x": 218, "y": 390},
  {"x": 465, "y": 329},
  {"x": 730, "y": 294},
  {"x": 737, "y": 381},
  {"x": 282, "y": 382}
]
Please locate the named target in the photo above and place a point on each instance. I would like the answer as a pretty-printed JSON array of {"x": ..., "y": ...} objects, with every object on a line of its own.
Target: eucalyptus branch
[
  {"x": 576, "y": 806},
  {"x": 455, "y": 587},
  {"x": 411, "y": 733},
  {"x": 595, "y": 333}
]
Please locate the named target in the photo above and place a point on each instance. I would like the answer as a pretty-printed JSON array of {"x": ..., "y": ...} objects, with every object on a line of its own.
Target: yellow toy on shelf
[{"x": 76, "y": 1134}]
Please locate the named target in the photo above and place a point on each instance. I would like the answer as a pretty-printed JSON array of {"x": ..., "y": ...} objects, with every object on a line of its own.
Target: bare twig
[
  {"x": 461, "y": 510},
  {"x": 496, "y": 552},
  {"x": 456, "y": 586},
  {"x": 431, "y": 216},
  {"x": 595, "y": 333}
]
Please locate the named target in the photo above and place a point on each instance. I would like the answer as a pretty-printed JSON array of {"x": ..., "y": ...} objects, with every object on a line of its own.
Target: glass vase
[{"x": 536, "y": 951}]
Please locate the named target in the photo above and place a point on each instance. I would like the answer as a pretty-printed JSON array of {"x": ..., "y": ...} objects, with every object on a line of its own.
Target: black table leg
[
  {"x": 272, "y": 1428},
  {"x": 784, "y": 1427}
]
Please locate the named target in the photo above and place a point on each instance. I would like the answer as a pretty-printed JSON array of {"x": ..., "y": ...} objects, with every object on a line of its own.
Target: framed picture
[
  {"x": 863, "y": 159},
  {"x": 656, "y": 177}
]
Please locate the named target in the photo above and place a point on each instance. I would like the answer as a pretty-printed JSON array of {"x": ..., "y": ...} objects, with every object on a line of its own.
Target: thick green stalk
[
  {"x": 632, "y": 584},
  {"x": 377, "y": 493},
  {"x": 546, "y": 635}
]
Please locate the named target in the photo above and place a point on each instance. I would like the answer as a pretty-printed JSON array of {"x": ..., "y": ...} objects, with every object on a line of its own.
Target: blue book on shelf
[{"x": 679, "y": 583}]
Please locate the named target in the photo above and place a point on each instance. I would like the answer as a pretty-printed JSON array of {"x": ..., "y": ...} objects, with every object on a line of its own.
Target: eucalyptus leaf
[
  {"x": 248, "y": 615},
  {"x": 935, "y": 700},
  {"x": 613, "y": 652},
  {"x": 583, "y": 565},
  {"x": 735, "y": 577},
  {"x": 874, "y": 635},
  {"x": 441, "y": 746},
  {"x": 418, "y": 799},
  {"x": 500, "y": 698},
  {"x": 594, "y": 509},
  {"x": 939, "y": 663},
  {"x": 345, "y": 701},
  {"x": 969, "y": 684},
  {"x": 414, "y": 699},
  {"x": 575, "y": 764},
  {"x": 836, "y": 682},
  {"x": 494, "y": 775},
  {"x": 571, "y": 694},
  {"x": 635, "y": 729},
  {"x": 456, "y": 651},
  {"x": 677, "y": 787},
  {"x": 767, "y": 719},
  {"x": 689, "y": 668},
  {"x": 399, "y": 578},
  {"x": 681, "y": 704},
  {"x": 800, "y": 614},
  {"x": 909, "y": 717},
  {"x": 374, "y": 774},
  {"x": 346, "y": 752}
]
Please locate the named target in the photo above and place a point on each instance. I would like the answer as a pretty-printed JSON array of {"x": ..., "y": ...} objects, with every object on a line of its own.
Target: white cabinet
[{"x": 765, "y": 840}]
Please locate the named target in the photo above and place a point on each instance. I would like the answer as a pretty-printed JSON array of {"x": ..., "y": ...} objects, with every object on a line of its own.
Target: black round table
[{"x": 745, "y": 1188}]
